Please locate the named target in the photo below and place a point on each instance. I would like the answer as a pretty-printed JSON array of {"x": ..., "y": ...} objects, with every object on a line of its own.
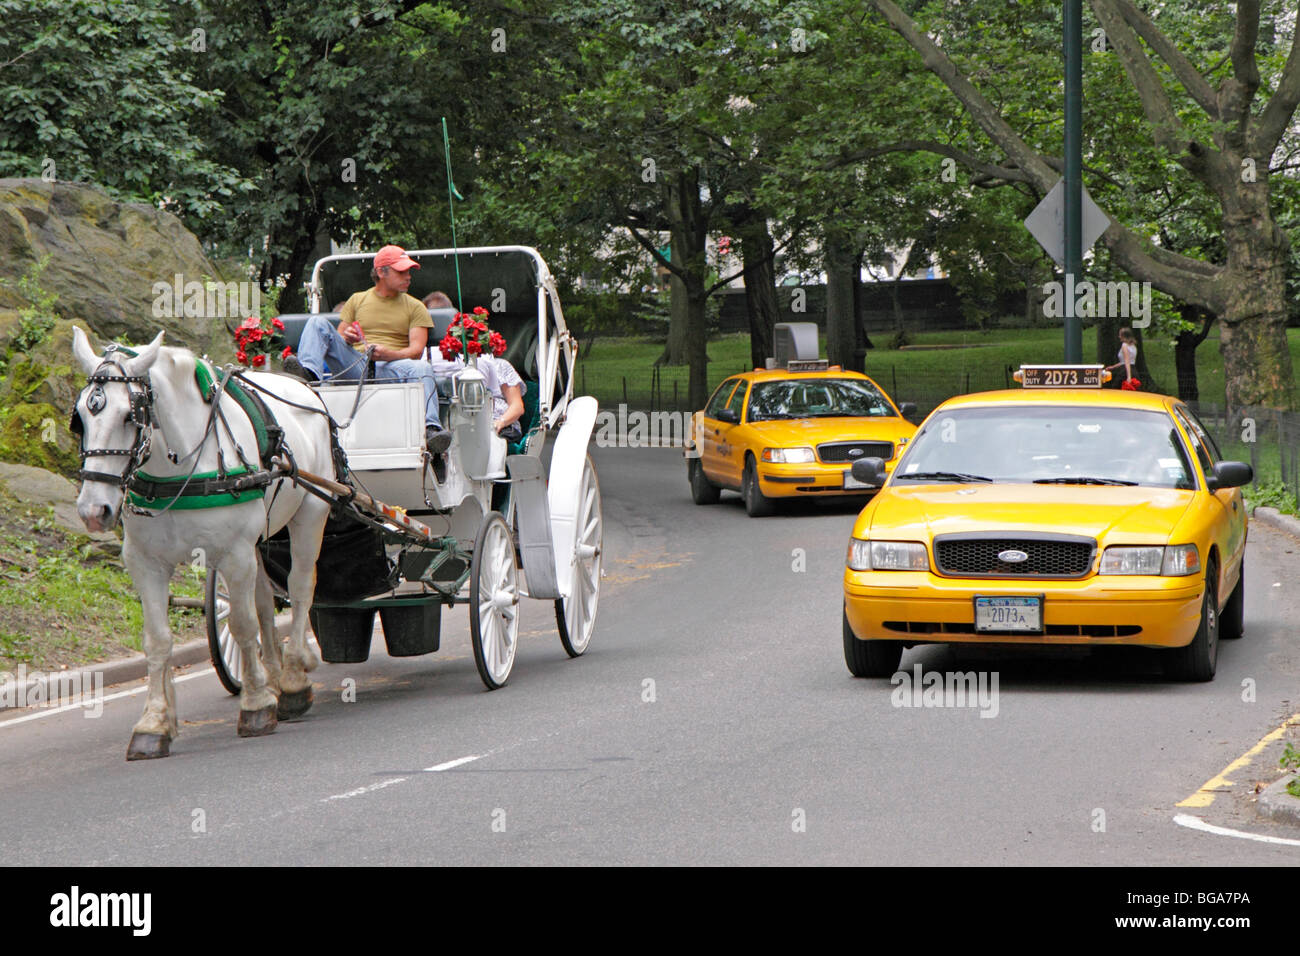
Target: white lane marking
[
  {"x": 105, "y": 699},
  {"x": 360, "y": 791},
  {"x": 1196, "y": 823},
  {"x": 436, "y": 768}
]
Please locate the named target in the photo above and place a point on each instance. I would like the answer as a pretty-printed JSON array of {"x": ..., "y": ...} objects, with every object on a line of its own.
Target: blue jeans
[{"x": 321, "y": 348}]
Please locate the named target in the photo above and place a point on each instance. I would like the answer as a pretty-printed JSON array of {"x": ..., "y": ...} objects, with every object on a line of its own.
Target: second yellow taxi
[{"x": 794, "y": 431}]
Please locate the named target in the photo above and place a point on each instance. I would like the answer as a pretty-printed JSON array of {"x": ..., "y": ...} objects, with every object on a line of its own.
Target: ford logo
[
  {"x": 855, "y": 452},
  {"x": 1012, "y": 557}
]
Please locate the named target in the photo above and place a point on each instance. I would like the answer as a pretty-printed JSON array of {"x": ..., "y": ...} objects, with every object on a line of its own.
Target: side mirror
[
  {"x": 1230, "y": 474},
  {"x": 869, "y": 471},
  {"x": 907, "y": 409},
  {"x": 729, "y": 416}
]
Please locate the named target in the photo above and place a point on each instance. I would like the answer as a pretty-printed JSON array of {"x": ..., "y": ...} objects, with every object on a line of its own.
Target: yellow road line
[{"x": 1219, "y": 783}]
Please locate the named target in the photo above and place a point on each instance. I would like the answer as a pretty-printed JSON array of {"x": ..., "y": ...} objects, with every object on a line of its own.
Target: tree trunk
[
  {"x": 688, "y": 228},
  {"x": 1252, "y": 324},
  {"x": 841, "y": 325},
  {"x": 757, "y": 251},
  {"x": 675, "y": 350},
  {"x": 862, "y": 341},
  {"x": 1185, "y": 351},
  {"x": 296, "y": 265}
]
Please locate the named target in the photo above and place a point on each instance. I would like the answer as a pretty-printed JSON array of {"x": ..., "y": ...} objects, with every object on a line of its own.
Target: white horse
[{"x": 144, "y": 407}]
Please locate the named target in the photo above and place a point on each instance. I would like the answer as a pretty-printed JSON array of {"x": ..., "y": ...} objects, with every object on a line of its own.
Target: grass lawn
[{"x": 623, "y": 367}]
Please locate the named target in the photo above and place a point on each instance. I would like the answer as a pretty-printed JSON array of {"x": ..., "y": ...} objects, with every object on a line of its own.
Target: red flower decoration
[
  {"x": 469, "y": 334},
  {"x": 288, "y": 350},
  {"x": 256, "y": 340}
]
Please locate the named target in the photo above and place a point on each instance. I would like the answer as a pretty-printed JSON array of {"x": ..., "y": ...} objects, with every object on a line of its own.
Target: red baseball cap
[{"x": 396, "y": 257}]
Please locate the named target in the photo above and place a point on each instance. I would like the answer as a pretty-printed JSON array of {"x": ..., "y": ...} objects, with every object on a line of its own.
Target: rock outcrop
[{"x": 106, "y": 259}]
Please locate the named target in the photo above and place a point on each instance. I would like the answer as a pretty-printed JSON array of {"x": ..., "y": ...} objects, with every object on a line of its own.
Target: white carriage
[{"x": 406, "y": 538}]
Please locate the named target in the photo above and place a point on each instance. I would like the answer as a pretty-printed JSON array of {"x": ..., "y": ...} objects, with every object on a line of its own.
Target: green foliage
[
  {"x": 103, "y": 92},
  {"x": 1271, "y": 494},
  {"x": 37, "y": 317},
  {"x": 1290, "y": 757}
]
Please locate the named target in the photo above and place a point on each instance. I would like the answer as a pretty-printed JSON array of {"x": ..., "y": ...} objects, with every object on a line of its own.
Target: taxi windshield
[
  {"x": 1085, "y": 445},
  {"x": 817, "y": 398}
]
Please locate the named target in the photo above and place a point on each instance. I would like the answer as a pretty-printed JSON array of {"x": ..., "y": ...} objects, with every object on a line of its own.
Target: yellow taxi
[
  {"x": 1051, "y": 516},
  {"x": 792, "y": 432}
]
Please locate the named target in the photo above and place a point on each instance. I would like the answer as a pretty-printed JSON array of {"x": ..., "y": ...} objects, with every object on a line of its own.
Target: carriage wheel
[
  {"x": 494, "y": 601},
  {"x": 227, "y": 660},
  {"x": 575, "y": 616}
]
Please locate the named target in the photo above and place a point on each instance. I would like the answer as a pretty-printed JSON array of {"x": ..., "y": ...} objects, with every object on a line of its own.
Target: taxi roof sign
[{"x": 1062, "y": 376}]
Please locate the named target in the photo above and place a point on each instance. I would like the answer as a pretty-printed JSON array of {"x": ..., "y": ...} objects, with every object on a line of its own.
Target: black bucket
[
  {"x": 412, "y": 629},
  {"x": 343, "y": 633}
]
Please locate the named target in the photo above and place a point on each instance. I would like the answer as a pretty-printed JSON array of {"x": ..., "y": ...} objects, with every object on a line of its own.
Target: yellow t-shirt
[{"x": 386, "y": 321}]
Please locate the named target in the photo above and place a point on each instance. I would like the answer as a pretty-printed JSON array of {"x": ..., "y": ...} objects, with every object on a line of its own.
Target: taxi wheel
[
  {"x": 870, "y": 658},
  {"x": 1197, "y": 661},
  {"x": 703, "y": 491},
  {"x": 757, "y": 504},
  {"x": 1232, "y": 621}
]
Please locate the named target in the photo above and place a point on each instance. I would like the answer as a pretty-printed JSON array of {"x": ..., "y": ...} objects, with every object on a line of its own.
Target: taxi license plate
[
  {"x": 1009, "y": 614},
  {"x": 851, "y": 482}
]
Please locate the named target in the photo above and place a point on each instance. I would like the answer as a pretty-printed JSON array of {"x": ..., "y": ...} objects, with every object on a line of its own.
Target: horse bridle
[{"x": 141, "y": 415}]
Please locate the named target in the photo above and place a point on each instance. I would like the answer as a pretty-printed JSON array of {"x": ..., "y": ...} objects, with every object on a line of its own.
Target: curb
[
  {"x": 124, "y": 669},
  {"x": 1274, "y": 803},
  {"x": 1288, "y": 524}
]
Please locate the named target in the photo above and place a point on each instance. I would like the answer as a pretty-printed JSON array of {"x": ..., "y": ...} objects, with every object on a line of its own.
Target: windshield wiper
[
  {"x": 943, "y": 476},
  {"x": 1082, "y": 480}
]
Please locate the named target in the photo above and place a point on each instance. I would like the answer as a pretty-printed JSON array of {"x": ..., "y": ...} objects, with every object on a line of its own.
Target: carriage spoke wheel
[
  {"x": 494, "y": 601},
  {"x": 227, "y": 660},
  {"x": 575, "y": 616}
]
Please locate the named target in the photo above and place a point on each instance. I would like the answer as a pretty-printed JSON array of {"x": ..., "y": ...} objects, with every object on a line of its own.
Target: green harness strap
[{"x": 209, "y": 489}]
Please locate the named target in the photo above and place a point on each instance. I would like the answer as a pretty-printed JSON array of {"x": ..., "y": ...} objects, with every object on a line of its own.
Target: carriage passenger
[{"x": 396, "y": 324}]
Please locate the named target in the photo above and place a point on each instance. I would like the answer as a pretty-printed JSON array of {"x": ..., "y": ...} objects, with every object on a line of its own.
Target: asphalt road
[{"x": 711, "y": 721}]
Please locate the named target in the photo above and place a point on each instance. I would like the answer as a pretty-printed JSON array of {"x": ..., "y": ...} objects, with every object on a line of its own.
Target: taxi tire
[
  {"x": 870, "y": 658},
  {"x": 757, "y": 504},
  {"x": 1232, "y": 619},
  {"x": 1198, "y": 660},
  {"x": 703, "y": 491}
]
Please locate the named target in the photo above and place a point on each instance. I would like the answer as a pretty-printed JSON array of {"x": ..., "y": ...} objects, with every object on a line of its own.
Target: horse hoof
[
  {"x": 148, "y": 746},
  {"x": 257, "y": 723},
  {"x": 294, "y": 704}
]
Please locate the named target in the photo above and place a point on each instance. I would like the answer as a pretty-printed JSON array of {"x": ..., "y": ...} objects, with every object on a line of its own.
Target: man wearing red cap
[{"x": 396, "y": 324}]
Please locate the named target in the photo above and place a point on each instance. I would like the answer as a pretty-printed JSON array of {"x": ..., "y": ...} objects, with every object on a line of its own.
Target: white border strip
[{"x": 1196, "y": 823}]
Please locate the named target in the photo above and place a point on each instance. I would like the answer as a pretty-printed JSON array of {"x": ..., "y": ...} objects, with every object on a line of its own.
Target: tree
[
  {"x": 62, "y": 61},
  {"x": 1218, "y": 138}
]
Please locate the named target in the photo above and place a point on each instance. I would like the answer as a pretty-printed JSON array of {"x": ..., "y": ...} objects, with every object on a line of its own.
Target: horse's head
[{"x": 114, "y": 416}]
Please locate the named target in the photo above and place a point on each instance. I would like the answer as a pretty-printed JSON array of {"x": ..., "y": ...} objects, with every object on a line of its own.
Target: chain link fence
[{"x": 1268, "y": 438}]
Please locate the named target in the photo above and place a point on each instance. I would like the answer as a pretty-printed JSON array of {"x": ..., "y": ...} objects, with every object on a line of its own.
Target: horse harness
[{"x": 213, "y": 489}]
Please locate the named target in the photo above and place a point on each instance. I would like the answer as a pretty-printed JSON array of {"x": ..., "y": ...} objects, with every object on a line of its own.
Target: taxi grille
[
  {"x": 834, "y": 453},
  {"x": 1049, "y": 556}
]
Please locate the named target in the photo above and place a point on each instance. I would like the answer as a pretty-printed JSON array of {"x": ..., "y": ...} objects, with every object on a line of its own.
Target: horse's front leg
[
  {"x": 306, "y": 528},
  {"x": 157, "y": 727},
  {"x": 257, "y": 701}
]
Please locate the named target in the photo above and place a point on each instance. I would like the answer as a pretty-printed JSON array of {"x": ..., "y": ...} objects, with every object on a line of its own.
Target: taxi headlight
[
  {"x": 788, "y": 456},
  {"x": 1181, "y": 559},
  {"x": 1177, "y": 560},
  {"x": 887, "y": 556}
]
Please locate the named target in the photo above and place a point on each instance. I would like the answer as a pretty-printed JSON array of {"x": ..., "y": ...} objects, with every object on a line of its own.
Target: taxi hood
[
  {"x": 1138, "y": 514},
  {"x": 792, "y": 432}
]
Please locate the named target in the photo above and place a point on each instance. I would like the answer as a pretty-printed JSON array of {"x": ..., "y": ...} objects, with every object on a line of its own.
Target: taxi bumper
[
  {"x": 813, "y": 478},
  {"x": 918, "y": 607}
]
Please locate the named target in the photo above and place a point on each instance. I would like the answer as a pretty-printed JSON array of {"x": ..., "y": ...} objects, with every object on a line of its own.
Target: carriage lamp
[{"x": 472, "y": 392}]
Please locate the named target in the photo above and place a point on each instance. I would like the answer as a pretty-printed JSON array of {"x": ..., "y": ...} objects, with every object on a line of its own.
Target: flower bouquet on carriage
[
  {"x": 469, "y": 336},
  {"x": 256, "y": 339}
]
